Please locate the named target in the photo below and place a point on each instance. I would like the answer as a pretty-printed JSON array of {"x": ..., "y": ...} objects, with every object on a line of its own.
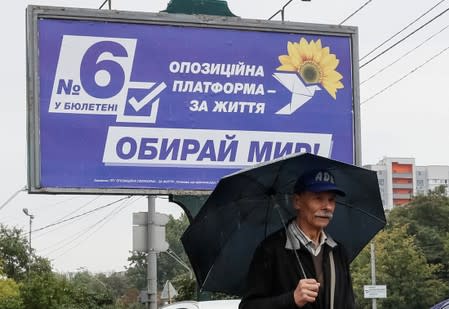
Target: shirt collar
[{"x": 296, "y": 237}]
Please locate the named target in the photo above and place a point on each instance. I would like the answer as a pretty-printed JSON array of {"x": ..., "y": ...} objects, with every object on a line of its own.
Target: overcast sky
[{"x": 407, "y": 117}]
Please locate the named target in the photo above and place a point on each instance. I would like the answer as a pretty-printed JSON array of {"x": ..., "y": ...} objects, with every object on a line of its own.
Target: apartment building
[{"x": 400, "y": 179}]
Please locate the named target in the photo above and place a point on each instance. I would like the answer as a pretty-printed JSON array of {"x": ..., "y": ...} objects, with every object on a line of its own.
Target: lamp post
[{"x": 26, "y": 212}]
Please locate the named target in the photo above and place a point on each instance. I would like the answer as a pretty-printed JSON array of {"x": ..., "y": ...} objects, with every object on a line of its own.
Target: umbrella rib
[
  {"x": 363, "y": 211},
  {"x": 265, "y": 189}
]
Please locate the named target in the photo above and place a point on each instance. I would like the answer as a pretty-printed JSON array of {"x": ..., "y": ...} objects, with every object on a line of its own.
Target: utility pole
[
  {"x": 26, "y": 212},
  {"x": 151, "y": 257},
  {"x": 373, "y": 271},
  {"x": 149, "y": 237}
]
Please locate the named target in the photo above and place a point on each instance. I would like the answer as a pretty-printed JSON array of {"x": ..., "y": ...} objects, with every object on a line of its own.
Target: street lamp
[{"x": 26, "y": 212}]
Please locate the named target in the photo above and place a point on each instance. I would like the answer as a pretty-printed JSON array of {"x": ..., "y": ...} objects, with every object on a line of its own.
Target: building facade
[{"x": 400, "y": 179}]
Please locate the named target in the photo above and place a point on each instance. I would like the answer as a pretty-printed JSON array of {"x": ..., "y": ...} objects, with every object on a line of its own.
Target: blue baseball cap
[{"x": 317, "y": 181}]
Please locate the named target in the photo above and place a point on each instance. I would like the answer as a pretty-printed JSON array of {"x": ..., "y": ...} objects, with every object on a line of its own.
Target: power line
[
  {"x": 80, "y": 215},
  {"x": 81, "y": 207},
  {"x": 104, "y": 220},
  {"x": 403, "y": 56},
  {"x": 180, "y": 261},
  {"x": 403, "y": 39},
  {"x": 403, "y": 77},
  {"x": 69, "y": 214},
  {"x": 76, "y": 236},
  {"x": 356, "y": 11},
  {"x": 400, "y": 31},
  {"x": 12, "y": 197}
]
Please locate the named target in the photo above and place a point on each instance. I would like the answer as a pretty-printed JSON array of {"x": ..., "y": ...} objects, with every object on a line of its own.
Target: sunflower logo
[{"x": 314, "y": 63}]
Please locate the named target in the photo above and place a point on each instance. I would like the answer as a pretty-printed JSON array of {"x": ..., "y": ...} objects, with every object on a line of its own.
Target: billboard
[{"x": 143, "y": 103}]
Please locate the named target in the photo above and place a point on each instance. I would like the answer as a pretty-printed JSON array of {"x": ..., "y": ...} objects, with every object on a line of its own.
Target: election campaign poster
[{"x": 122, "y": 102}]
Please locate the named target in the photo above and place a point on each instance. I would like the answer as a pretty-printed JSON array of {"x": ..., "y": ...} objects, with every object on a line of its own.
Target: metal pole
[
  {"x": 29, "y": 236},
  {"x": 151, "y": 257},
  {"x": 373, "y": 271},
  {"x": 28, "y": 214}
]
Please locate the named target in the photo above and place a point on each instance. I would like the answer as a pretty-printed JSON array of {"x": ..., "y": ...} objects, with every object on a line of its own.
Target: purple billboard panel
[{"x": 170, "y": 107}]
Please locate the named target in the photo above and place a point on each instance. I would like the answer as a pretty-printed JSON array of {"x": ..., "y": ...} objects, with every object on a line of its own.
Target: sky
[{"x": 404, "y": 113}]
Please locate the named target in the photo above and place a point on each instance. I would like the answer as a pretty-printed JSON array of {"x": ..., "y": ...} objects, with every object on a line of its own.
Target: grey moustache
[{"x": 325, "y": 214}]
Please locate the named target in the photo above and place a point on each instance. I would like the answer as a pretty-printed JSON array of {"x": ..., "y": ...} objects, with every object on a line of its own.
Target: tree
[
  {"x": 185, "y": 286},
  {"x": 13, "y": 252},
  {"x": 137, "y": 270},
  {"x": 168, "y": 267},
  {"x": 401, "y": 265},
  {"x": 116, "y": 283},
  {"x": 29, "y": 282},
  {"x": 427, "y": 218},
  {"x": 9, "y": 293},
  {"x": 46, "y": 290}
]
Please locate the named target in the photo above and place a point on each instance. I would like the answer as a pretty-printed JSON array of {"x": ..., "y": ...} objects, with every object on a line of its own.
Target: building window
[
  {"x": 420, "y": 182},
  {"x": 381, "y": 182}
]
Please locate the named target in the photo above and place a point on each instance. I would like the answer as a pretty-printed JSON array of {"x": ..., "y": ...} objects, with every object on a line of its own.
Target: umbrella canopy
[{"x": 249, "y": 205}]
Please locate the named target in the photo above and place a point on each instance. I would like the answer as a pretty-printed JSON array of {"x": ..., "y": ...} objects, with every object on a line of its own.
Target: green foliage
[
  {"x": 137, "y": 270},
  {"x": 10, "y": 294},
  {"x": 412, "y": 255},
  {"x": 427, "y": 219},
  {"x": 89, "y": 291},
  {"x": 185, "y": 286},
  {"x": 13, "y": 252},
  {"x": 401, "y": 266},
  {"x": 168, "y": 267},
  {"x": 116, "y": 283},
  {"x": 39, "y": 287},
  {"x": 45, "y": 290}
]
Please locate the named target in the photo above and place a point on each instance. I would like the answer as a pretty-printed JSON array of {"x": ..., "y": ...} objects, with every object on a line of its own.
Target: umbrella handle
[{"x": 289, "y": 236}]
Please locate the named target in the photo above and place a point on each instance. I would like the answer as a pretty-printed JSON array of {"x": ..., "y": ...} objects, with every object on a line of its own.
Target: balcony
[
  {"x": 403, "y": 175},
  {"x": 403, "y": 186},
  {"x": 402, "y": 196}
]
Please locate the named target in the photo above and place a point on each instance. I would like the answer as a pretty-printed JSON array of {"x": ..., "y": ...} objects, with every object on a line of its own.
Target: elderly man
[{"x": 302, "y": 266}]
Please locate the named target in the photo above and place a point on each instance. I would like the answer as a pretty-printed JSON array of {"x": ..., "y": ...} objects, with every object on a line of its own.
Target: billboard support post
[{"x": 151, "y": 258}]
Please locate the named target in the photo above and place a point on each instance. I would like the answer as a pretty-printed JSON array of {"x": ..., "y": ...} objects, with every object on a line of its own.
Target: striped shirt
[{"x": 297, "y": 236}]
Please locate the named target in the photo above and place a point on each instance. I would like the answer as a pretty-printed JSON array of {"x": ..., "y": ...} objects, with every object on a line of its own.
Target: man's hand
[{"x": 306, "y": 291}]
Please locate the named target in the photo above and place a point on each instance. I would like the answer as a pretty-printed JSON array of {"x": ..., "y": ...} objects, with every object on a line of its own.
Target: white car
[{"x": 210, "y": 304}]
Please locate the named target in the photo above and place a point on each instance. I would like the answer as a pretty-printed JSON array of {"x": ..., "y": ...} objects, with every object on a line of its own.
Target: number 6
[{"x": 90, "y": 67}]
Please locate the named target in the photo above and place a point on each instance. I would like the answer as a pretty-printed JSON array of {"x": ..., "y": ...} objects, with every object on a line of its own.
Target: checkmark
[{"x": 138, "y": 105}]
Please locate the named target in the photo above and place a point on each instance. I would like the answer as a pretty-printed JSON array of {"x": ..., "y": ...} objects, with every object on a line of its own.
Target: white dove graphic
[{"x": 300, "y": 92}]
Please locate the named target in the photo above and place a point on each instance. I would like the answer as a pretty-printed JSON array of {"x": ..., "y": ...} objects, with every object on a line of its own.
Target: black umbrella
[{"x": 249, "y": 205}]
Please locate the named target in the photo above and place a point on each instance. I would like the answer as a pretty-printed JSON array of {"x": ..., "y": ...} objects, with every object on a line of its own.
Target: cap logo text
[{"x": 324, "y": 176}]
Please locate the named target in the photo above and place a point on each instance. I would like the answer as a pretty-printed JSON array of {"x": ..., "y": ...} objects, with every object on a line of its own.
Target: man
[{"x": 302, "y": 266}]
